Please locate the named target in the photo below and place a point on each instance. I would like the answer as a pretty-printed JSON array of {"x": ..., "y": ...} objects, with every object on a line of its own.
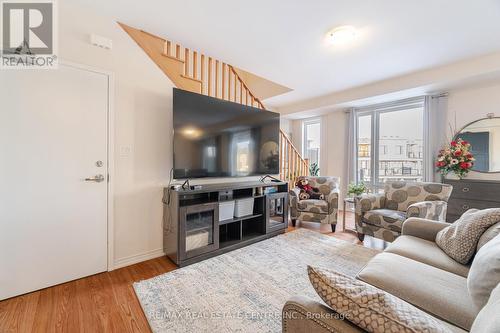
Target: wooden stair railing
[
  {"x": 193, "y": 71},
  {"x": 196, "y": 72},
  {"x": 292, "y": 165}
]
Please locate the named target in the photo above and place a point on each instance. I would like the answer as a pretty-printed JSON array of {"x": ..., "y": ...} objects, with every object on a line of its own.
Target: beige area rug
[{"x": 245, "y": 290}]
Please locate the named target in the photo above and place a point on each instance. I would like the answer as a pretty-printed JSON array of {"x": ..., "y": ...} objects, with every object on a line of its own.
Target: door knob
[{"x": 97, "y": 178}]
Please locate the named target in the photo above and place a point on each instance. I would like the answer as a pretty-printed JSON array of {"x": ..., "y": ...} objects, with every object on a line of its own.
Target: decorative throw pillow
[
  {"x": 460, "y": 239},
  {"x": 484, "y": 274},
  {"x": 368, "y": 307},
  {"x": 488, "y": 235}
]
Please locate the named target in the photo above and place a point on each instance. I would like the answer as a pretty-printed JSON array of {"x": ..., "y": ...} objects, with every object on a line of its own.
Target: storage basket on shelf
[
  {"x": 243, "y": 207},
  {"x": 226, "y": 210}
]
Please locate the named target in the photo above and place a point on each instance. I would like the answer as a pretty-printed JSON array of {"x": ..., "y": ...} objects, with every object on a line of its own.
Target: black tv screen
[{"x": 217, "y": 138}]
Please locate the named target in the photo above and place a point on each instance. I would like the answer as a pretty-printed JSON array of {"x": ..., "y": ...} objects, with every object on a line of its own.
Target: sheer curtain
[
  {"x": 350, "y": 163},
  {"x": 435, "y": 132}
]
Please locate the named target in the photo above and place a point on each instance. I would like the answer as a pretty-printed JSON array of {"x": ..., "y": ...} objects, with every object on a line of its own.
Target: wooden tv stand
[{"x": 193, "y": 232}]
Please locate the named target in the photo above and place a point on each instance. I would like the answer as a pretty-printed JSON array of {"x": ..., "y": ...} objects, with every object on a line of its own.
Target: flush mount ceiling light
[{"x": 341, "y": 35}]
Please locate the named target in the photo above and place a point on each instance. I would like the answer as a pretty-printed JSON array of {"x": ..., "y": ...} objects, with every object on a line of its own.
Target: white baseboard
[{"x": 136, "y": 258}]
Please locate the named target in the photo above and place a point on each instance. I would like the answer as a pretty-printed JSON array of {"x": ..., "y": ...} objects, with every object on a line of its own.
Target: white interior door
[{"x": 53, "y": 133}]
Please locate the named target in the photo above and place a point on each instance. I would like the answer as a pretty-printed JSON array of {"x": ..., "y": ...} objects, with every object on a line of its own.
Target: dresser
[{"x": 469, "y": 193}]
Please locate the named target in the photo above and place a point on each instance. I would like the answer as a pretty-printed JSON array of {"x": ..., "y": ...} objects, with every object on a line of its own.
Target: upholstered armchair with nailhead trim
[
  {"x": 381, "y": 215},
  {"x": 320, "y": 211}
]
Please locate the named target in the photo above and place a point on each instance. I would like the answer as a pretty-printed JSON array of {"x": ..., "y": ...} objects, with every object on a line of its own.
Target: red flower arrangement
[{"x": 456, "y": 158}]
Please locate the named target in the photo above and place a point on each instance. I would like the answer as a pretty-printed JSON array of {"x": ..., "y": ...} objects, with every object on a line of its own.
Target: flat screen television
[{"x": 217, "y": 138}]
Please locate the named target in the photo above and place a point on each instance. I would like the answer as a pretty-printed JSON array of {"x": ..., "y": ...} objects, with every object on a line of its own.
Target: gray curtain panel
[{"x": 435, "y": 129}]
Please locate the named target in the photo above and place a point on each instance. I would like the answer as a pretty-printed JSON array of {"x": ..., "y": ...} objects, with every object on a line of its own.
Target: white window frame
[
  {"x": 375, "y": 111},
  {"x": 306, "y": 122}
]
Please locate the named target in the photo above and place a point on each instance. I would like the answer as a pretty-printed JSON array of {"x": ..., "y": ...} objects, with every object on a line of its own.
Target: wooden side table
[{"x": 346, "y": 201}]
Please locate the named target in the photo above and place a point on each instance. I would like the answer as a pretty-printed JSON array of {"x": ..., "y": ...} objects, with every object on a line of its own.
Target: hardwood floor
[
  {"x": 103, "y": 302},
  {"x": 106, "y": 302}
]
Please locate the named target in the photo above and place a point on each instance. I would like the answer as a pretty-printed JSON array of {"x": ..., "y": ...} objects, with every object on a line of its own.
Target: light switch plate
[
  {"x": 125, "y": 151},
  {"x": 101, "y": 41}
]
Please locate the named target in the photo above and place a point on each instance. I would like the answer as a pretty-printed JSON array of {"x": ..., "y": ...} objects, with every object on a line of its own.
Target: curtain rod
[
  {"x": 440, "y": 95},
  {"x": 445, "y": 94}
]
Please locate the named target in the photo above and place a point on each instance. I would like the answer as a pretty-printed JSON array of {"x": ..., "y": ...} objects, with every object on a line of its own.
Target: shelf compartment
[
  {"x": 229, "y": 233},
  {"x": 242, "y": 193},
  {"x": 237, "y": 219},
  {"x": 253, "y": 225},
  {"x": 245, "y": 237},
  {"x": 191, "y": 199}
]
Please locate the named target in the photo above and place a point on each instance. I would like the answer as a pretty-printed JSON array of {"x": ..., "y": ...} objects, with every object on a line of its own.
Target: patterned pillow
[
  {"x": 460, "y": 239},
  {"x": 370, "y": 308},
  {"x": 400, "y": 195}
]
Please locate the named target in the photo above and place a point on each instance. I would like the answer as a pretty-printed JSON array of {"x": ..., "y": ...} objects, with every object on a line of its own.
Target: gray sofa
[{"x": 416, "y": 270}]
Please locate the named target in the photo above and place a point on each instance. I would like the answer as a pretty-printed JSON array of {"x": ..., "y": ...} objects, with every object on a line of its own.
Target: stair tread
[
  {"x": 173, "y": 58},
  {"x": 191, "y": 78}
]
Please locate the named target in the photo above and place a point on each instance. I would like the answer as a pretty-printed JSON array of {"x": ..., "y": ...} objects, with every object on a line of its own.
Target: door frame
[{"x": 110, "y": 128}]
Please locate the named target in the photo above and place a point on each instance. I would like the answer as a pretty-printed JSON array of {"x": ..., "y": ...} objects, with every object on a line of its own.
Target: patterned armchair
[
  {"x": 321, "y": 211},
  {"x": 382, "y": 215}
]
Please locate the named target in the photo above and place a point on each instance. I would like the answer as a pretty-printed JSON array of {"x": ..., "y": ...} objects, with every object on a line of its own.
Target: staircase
[
  {"x": 193, "y": 71},
  {"x": 292, "y": 165}
]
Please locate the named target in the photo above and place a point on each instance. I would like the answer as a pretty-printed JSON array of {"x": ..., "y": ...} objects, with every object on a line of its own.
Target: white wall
[
  {"x": 472, "y": 103},
  {"x": 333, "y": 145},
  {"x": 404, "y": 86},
  {"x": 297, "y": 134},
  {"x": 334, "y": 125},
  {"x": 286, "y": 126},
  {"x": 142, "y": 114}
]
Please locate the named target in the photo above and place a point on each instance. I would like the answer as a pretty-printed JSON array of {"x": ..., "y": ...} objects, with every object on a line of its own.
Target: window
[
  {"x": 312, "y": 139},
  {"x": 364, "y": 148},
  {"x": 390, "y": 142}
]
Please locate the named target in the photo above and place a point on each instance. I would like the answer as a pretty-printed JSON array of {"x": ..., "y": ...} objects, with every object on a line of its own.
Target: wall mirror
[{"x": 484, "y": 137}]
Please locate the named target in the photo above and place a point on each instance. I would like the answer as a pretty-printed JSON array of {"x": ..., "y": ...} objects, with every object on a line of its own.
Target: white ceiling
[{"x": 283, "y": 41}]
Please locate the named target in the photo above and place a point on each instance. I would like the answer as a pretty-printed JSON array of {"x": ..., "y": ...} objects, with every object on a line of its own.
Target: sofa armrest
[
  {"x": 430, "y": 210},
  {"x": 301, "y": 314},
  {"x": 333, "y": 201},
  {"x": 294, "y": 196},
  {"x": 293, "y": 202},
  {"x": 422, "y": 228},
  {"x": 367, "y": 202},
  {"x": 294, "y": 192}
]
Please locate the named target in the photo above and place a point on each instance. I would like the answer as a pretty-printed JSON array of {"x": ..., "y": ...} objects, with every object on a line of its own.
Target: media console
[{"x": 193, "y": 230}]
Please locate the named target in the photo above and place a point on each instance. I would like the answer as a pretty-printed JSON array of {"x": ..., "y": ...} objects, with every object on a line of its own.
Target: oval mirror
[{"x": 484, "y": 137}]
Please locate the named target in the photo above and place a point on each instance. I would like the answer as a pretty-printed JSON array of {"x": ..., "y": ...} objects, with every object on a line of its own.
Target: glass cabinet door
[
  {"x": 277, "y": 211},
  {"x": 199, "y": 229}
]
